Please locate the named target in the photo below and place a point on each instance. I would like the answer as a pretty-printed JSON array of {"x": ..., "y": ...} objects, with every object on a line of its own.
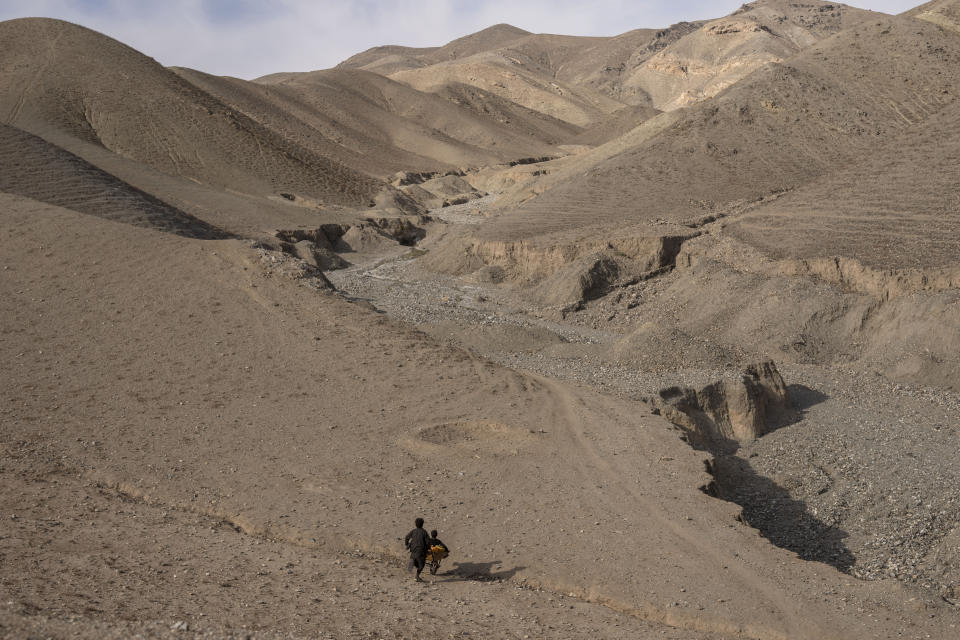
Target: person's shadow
[{"x": 478, "y": 571}]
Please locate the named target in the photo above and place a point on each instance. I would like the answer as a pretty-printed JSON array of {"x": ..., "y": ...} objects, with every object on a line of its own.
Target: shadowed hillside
[
  {"x": 384, "y": 120},
  {"x": 61, "y": 80},
  {"x": 31, "y": 167}
]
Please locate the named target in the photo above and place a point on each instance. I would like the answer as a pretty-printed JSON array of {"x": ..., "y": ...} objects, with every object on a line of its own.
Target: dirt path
[
  {"x": 276, "y": 590},
  {"x": 619, "y": 483},
  {"x": 260, "y": 423},
  {"x": 223, "y": 474},
  {"x": 488, "y": 320}
]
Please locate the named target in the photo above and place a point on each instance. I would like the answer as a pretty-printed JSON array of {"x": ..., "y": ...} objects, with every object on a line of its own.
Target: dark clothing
[
  {"x": 435, "y": 542},
  {"x": 418, "y": 542}
]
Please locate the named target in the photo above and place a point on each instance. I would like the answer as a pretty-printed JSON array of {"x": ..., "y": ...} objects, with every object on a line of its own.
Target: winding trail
[{"x": 617, "y": 480}]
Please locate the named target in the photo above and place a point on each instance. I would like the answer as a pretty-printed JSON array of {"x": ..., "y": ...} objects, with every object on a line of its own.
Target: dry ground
[
  {"x": 225, "y": 392},
  {"x": 199, "y": 437}
]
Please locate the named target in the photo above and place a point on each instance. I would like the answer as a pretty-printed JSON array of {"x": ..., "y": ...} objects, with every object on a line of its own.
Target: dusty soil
[
  {"x": 240, "y": 420},
  {"x": 79, "y": 579},
  {"x": 202, "y": 434},
  {"x": 861, "y": 482}
]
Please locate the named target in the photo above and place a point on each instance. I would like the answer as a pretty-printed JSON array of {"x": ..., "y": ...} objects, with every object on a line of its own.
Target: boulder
[
  {"x": 320, "y": 257},
  {"x": 731, "y": 411}
]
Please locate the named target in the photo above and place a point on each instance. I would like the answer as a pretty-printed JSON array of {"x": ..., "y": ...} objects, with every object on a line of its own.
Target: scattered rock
[{"x": 731, "y": 411}]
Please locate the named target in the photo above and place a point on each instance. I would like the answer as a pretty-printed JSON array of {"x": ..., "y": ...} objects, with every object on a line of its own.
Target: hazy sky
[{"x": 247, "y": 38}]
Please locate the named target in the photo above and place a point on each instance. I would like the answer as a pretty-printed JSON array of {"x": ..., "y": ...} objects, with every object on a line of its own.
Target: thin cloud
[{"x": 250, "y": 38}]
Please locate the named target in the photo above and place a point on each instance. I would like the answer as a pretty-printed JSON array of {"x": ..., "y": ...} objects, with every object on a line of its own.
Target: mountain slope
[
  {"x": 606, "y": 64},
  {"x": 721, "y": 52},
  {"x": 391, "y": 58},
  {"x": 945, "y": 13},
  {"x": 333, "y": 124},
  {"x": 501, "y": 60},
  {"x": 780, "y": 128},
  {"x": 518, "y": 77},
  {"x": 36, "y": 169},
  {"x": 62, "y": 80},
  {"x": 376, "y": 117},
  {"x": 896, "y": 209},
  {"x": 583, "y": 79}
]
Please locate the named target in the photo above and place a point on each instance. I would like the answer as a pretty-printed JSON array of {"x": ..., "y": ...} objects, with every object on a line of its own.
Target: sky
[{"x": 248, "y": 38}]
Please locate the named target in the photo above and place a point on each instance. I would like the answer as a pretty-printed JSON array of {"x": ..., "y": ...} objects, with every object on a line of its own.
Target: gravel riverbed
[{"x": 866, "y": 480}]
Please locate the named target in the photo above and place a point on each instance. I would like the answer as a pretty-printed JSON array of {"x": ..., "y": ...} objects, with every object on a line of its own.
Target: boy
[{"x": 418, "y": 543}]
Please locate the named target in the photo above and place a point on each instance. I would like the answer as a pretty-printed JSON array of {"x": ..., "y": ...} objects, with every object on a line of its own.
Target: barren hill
[
  {"x": 945, "y": 13},
  {"x": 605, "y": 64},
  {"x": 34, "y": 168},
  {"x": 662, "y": 68},
  {"x": 846, "y": 125},
  {"x": 504, "y": 61},
  {"x": 62, "y": 82},
  {"x": 383, "y": 60},
  {"x": 321, "y": 128},
  {"x": 721, "y": 52},
  {"x": 781, "y": 127},
  {"x": 688, "y": 62},
  {"x": 494, "y": 37},
  {"x": 517, "y": 77},
  {"x": 389, "y": 123},
  {"x": 595, "y": 63},
  {"x": 389, "y": 59}
]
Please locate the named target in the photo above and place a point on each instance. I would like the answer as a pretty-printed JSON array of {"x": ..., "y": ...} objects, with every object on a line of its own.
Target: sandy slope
[
  {"x": 77, "y": 578},
  {"x": 394, "y": 115},
  {"x": 62, "y": 80},
  {"x": 781, "y": 127},
  {"x": 31, "y": 167},
  {"x": 661, "y": 68},
  {"x": 896, "y": 209},
  {"x": 251, "y": 400}
]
